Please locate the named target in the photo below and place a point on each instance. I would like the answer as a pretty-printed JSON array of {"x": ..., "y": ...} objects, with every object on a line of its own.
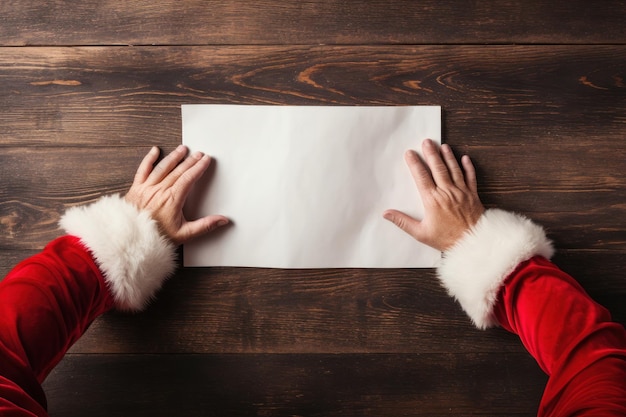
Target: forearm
[
  {"x": 114, "y": 256},
  {"x": 48, "y": 301},
  {"x": 500, "y": 275},
  {"x": 572, "y": 338}
]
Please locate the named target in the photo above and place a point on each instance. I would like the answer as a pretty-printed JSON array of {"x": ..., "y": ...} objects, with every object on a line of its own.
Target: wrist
[
  {"x": 134, "y": 257},
  {"x": 475, "y": 268}
]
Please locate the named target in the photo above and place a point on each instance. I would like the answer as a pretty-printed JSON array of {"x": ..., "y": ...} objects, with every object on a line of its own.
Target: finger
[
  {"x": 146, "y": 165},
  {"x": 166, "y": 166},
  {"x": 197, "y": 228},
  {"x": 470, "y": 174},
  {"x": 181, "y": 169},
  {"x": 404, "y": 222},
  {"x": 191, "y": 174},
  {"x": 437, "y": 167},
  {"x": 454, "y": 169},
  {"x": 419, "y": 172}
]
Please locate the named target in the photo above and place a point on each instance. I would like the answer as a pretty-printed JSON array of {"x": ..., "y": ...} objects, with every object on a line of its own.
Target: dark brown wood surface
[
  {"x": 534, "y": 92},
  {"x": 197, "y": 22},
  {"x": 298, "y": 385}
]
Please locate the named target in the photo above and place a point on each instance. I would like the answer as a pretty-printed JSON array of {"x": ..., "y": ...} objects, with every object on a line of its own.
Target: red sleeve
[
  {"x": 500, "y": 274},
  {"x": 113, "y": 256},
  {"x": 572, "y": 338},
  {"x": 46, "y": 303}
]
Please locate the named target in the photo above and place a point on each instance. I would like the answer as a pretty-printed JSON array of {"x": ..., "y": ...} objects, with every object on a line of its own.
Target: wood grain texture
[
  {"x": 580, "y": 200},
  {"x": 490, "y": 95},
  {"x": 223, "y": 310},
  {"x": 534, "y": 91},
  {"x": 302, "y": 385},
  {"x": 246, "y": 310},
  {"x": 171, "y": 22},
  {"x": 233, "y": 310},
  {"x": 514, "y": 109}
]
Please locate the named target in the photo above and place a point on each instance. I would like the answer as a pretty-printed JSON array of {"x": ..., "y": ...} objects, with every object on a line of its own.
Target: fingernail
[
  {"x": 197, "y": 155},
  {"x": 180, "y": 148},
  {"x": 222, "y": 222},
  {"x": 412, "y": 154}
]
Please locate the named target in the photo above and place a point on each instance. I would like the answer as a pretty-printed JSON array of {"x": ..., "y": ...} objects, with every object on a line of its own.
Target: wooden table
[{"x": 535, "y": 93}]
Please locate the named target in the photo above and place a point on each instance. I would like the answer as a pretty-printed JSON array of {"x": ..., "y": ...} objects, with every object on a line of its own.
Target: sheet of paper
[{"x": 306, "y": 186}]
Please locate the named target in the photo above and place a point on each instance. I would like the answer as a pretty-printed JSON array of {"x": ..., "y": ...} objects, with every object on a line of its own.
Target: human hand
[
  {"x": 450, "y": 197},
  {"x": 163, "y": 189}
]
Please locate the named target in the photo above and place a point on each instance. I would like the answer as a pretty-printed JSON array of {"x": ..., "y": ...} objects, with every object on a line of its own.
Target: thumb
[
  {"x": 404, "y": 221},
  {"x": 202, "y": 226}
]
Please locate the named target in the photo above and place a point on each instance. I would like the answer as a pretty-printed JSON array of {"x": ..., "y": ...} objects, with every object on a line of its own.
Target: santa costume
[{"x": 114, "y": 256}]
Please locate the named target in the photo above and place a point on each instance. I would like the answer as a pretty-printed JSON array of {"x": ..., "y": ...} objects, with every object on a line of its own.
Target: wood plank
[
  {"x": 312, "y": 385},
  {"x": 504, "y": 95},
  {"x": 167, "y": 22},
  {"x": 238, "y": 310},
  {"x": 580, "y": 200},
  {"x": 10, "y": 257},
  {"x": 246, "y": 310},
  {"x": 45, "y": 183}
]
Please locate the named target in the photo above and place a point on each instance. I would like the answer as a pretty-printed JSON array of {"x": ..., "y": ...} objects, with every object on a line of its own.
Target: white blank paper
[{"x": 306, "y": 186}]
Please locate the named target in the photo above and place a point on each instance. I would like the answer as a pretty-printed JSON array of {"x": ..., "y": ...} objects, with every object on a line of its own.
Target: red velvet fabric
[
  {"x": 571, "y": 337},
  {"x": 46, "y": 303}
]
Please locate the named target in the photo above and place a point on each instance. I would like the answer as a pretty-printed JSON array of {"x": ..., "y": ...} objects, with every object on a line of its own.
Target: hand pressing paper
[{"x": 306, "y": 186}]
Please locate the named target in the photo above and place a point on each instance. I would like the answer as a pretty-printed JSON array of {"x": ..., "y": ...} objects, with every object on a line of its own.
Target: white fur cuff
[
  {"x": 477, "y": 266},
  {"x": 127, "y": 246}
]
